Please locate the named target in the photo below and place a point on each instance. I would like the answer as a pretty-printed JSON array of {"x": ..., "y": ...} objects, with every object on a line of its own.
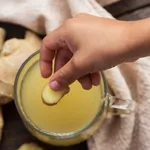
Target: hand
[{"x": 82, "y": 47}]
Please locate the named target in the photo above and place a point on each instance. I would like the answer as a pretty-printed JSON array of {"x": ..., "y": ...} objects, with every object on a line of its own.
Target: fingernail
[{"x": 55, "y": 85}]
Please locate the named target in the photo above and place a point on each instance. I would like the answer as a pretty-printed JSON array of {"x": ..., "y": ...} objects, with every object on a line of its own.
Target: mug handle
[{"x": 118, "y": 106}]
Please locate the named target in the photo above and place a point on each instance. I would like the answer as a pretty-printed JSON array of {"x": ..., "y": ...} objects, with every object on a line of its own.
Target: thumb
[{"x": 67, "y": 74}]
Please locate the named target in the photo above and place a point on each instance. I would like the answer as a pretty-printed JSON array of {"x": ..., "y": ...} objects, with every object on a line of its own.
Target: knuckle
[
  {"x": 77, "y": 64},
  {"x": 69, "y": 23},
  {"x": 61, "y": 73},
  {"x": 66, "y": 80},
  {"x": 44, "y": 40}
]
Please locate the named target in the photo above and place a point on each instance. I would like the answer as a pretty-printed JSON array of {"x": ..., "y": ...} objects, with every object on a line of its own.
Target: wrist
[{"x": 137, "y": 39}]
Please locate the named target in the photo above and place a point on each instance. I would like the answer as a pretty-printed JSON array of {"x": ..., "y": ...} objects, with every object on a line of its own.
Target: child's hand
[{"x": 82, "y": 47}]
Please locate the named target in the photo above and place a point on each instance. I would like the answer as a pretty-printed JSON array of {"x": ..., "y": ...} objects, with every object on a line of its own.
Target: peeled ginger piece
[
  {"x": 30, "y": 146},
  {"x": 51, "y": 97},
  {"x": 2, "y": 37}
]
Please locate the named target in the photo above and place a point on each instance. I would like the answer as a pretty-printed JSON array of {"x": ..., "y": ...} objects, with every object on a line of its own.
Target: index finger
[{"x": 50, "y": 44}]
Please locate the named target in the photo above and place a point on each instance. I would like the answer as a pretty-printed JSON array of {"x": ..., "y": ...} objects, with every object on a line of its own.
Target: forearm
[{"x": 138, "y": 40}]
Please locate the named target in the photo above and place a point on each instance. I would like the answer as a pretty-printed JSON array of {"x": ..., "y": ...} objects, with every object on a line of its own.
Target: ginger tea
[{"x": 73, "y": 112}]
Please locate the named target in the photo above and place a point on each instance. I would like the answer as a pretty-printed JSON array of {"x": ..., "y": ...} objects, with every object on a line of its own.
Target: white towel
[{"x": 130, "y": 80}]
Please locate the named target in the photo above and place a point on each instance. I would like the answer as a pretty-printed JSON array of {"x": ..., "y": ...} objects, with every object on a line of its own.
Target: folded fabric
[{"x": 129, "y": 80}]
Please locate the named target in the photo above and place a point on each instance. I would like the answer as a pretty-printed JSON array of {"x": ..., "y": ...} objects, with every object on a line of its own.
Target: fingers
[
  {"x": 46, "y": 64},
  {"x": 95, "y": 78},
  {"x": 63, "y": 55},
  {"x": 86, "y": 82},
  {"x": 50, "y": 44},
  {"x": 64, "y": 76},
  {"x": 74, "y": 69},
  {"x": 71, "y": 71},
  {"x": 67, "y": 74},
  {"x": 89, "y": 80}
]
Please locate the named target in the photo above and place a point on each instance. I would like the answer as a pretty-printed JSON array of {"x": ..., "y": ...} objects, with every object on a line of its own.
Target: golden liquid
[{"x": 74, "y": 111}]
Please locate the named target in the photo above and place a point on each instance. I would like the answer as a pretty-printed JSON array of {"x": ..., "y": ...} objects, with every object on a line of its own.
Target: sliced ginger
[
  {"x": 51, "y": 97},
  {"x": 2, "y": 37},
  {"x": 30, "y": 146}
]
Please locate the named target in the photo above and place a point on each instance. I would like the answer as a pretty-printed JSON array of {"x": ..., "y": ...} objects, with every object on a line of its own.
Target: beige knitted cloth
[{"x": 130, "y": 80}]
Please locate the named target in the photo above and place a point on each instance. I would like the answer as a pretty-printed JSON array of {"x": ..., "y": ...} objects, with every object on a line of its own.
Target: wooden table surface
[{"x": 14, "y": 133}]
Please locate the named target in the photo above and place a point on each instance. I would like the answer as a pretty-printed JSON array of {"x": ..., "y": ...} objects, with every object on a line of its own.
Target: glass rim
[{"x": 27, "y": 120}]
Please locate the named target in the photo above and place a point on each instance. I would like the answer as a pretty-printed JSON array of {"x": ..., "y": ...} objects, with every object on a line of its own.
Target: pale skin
[{"x": 85, "y": 45}]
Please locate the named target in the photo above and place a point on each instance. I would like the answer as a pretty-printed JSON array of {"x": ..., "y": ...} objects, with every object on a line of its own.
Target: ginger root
[
  {"x": 13, "y": 54},
  {"x": 51, "y": 97},
  {"x": 2, "y": 37},
  {"x": 1, "y": 123},
  {"x": 30, "y": 146}
]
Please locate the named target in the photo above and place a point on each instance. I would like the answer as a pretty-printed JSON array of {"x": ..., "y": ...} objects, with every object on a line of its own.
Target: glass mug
[{"x": 109, "y": 103}]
